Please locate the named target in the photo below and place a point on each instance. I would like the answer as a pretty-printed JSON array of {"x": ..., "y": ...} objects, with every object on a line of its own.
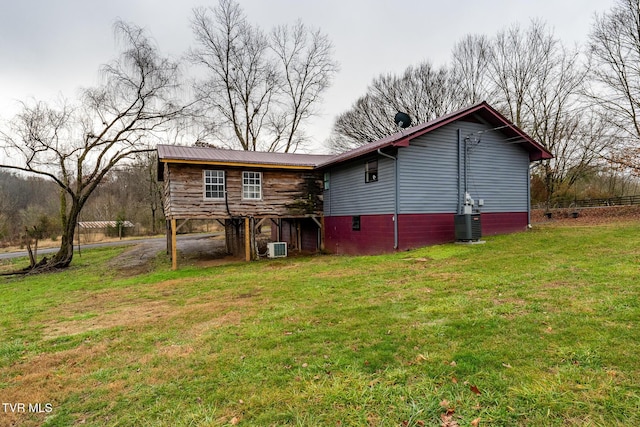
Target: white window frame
[
  {"x": 251, "y": 190},
  {"x": 371, "y": 175},
  {"x": 205, "y": 179}
]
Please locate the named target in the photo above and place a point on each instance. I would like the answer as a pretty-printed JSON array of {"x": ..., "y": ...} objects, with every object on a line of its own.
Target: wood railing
[{"x": 592, "y": 203}]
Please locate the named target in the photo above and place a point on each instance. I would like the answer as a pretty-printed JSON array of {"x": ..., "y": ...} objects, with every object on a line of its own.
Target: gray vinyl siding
[
  {"x": 498, "y": 172},
  {"x": 348, "y": 194},
  {"x": 428, "y": 174}
]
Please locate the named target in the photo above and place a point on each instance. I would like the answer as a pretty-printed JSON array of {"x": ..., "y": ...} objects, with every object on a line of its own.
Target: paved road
[{"x": 149, "y": 240}]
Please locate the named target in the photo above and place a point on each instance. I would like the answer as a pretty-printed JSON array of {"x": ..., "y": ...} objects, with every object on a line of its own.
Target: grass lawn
[{"x": 531, "y": 329}]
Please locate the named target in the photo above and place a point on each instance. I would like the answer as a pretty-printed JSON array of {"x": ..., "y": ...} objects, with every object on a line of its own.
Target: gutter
[{"x": 397, "y": 192}]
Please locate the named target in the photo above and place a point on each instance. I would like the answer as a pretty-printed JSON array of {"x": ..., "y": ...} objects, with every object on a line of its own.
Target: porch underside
[{"x": 302, "y": 232}]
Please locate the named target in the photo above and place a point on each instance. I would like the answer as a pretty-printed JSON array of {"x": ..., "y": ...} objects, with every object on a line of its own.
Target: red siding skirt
[{"x": 415, "y": 230}]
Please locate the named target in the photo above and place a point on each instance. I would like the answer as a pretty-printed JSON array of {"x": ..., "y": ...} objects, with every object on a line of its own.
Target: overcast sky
[{"x": 51, "y": 48}]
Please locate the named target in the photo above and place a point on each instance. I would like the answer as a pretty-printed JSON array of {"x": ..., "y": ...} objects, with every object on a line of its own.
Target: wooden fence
[{"x": 593, "y": 203}]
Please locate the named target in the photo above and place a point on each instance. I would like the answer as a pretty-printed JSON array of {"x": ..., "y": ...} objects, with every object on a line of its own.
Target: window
[
  {"x": 355, "y": 223},
  {"x": 326, "y": 180},
  {"x": 371, "y": 171},
  {"x": 252, "y": 185},
  {"x": 213, "y": 184}
]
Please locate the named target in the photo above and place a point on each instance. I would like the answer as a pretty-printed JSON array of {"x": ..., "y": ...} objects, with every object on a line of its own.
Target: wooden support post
[
  {"x": 228, "y": 234},
  {"x": 174, "y": 245},
  {"x": 167, "y": 229},
  {"x": 247, "y": 240},
  {"x": 279, "y": 229},
  {"x": 322, "y": 233}
]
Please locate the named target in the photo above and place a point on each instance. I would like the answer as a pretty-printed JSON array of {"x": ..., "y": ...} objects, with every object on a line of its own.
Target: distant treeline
[{"x": 130, "y": 192}]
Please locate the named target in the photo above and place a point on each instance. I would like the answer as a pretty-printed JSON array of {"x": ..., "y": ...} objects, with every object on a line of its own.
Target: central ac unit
[
  {"x": 468, "y": 227},
  {"x": 277, "y": 249}
]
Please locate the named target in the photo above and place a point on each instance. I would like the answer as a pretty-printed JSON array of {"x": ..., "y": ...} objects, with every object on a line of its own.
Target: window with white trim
[
  {"x": 371, "y": 171},
  {"x": 213, "y": 184},
  {"x": 252, "y": 185}
]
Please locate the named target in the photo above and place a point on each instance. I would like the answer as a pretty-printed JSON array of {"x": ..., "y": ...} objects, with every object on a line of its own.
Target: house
[
  {"x": 242, "y": 190},
  {"x": 400, "y": 192},
  {"x": 405, "y": 190}
]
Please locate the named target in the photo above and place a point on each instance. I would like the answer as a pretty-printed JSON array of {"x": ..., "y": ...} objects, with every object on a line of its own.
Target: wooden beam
[
  {"x": 247, "y": 240},
  {"x": 316, "y": 221},
  {"x": 182, "y": 225},
  {"x": 174, "y": 245},
  {"x": 322, "y": 233},
  {"x": 261, "y": 221}
]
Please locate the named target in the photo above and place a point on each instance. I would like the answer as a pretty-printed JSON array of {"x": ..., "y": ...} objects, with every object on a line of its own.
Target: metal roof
[
  {"x": 104, "y": 224},
  {"x": 482, "y": 109},
  {"x": 214, "y": 155}
]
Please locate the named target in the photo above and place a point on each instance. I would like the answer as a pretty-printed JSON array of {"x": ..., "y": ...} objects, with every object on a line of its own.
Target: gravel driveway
[{"x": 199, "y": 247}]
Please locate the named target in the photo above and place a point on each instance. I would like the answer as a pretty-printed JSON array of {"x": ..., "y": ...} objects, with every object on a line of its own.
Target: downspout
[
  {"x": 466, "y": 170},
  {"x": 529, "y": 196},
  {"x": 397, "y": 192},
  {"x": 460, "y": 170}
]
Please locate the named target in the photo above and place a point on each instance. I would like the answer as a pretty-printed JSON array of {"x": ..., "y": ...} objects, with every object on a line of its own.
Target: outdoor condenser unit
[
  {"x": 468, "y": 227},
  {"x": 277, "y": 249}
]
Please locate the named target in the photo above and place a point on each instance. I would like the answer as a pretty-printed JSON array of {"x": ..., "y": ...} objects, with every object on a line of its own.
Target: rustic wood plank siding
[
  {"x": 285, "y": 193},
  {"x": 166, "y": 200}
]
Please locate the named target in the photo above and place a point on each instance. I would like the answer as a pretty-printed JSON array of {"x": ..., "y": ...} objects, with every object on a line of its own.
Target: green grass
[{"x": 531, "y": 329}]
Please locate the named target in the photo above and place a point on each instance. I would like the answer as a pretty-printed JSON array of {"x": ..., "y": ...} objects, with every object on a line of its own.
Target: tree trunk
[
  {"x": 153, "y": 221},
  {"x": 32, "y": 259},
  {"x": 35, "y": 252},
  {"x": 64, "y": 256},
  {"x": 549, "y": 184}
]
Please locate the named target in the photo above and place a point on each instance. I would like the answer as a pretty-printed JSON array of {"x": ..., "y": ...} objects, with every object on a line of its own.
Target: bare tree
[
  {"x": 615, "y": 50},
  {"x": 470, "y": 61},
  {"x": 526, "y": 73},
  {"x": 367, "y": 120},
  {"x": 37, "y": 226},
  {"x": 76, "y": 146},
  {"x": 538, "y": 84},
  {"x": 148, "y": 193},
  {"x": 519, "y": 58},
  {"x": 259, "y": 89},
  {"x": 306, "y": 70},
  {"x": 423, "y": 92},
  {"x": 241, "y": 76}
]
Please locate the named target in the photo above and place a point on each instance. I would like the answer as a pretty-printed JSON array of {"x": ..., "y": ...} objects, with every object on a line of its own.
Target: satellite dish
[{"x": 402, "y": 120}]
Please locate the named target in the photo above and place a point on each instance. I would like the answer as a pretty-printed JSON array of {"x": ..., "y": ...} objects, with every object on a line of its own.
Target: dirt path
[{"x": 139, "y": 259}]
